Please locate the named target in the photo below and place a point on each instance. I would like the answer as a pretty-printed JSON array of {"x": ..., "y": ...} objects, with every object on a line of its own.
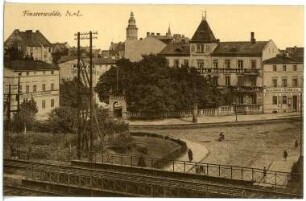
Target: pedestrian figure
[
  {"x": 285, "y": 155},
  {"x": 264, "y": 174},
  {"x": 296, "y": 144},
  {"x": 190, "y": 155},
  {"x": 221, "y": 137},
  {"x": 29, "y": 152}
]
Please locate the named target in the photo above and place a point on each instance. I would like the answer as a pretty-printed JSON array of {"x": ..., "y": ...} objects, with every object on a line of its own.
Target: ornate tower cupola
[{"x": 131, "y": 30}]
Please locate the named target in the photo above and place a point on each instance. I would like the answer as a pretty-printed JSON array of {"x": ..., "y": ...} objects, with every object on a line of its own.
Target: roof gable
[{"x": 203, "y": 33}]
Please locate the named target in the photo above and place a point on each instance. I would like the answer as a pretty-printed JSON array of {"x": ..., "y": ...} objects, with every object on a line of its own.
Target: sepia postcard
[{"x": 148, "y": 100}]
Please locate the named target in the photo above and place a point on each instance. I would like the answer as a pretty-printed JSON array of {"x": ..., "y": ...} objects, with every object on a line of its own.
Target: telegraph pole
[
  {"x": 301, "y": 131},
  {"x": 79, "y": 95},
  {"x": 82, "y": 118},
  {"x": 91, "y": 97},
  {"x": 18, "y": 92}
]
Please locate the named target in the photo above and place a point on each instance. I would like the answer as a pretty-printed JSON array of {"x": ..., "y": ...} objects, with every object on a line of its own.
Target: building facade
[
  {"x": 37, "y": 80},
  {"x": 68, "y": 69},
  {"x": 32, "y": 44},
  {"x": 283, "y": 84},
  {"x": 233, "y": 66}
]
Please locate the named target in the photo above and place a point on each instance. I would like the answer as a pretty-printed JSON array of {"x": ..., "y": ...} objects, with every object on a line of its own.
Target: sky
[{"x": 283, "y": 24}]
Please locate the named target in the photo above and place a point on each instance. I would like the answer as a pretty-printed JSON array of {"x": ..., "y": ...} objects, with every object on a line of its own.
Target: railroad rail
[{"x": 130, "y": 184}]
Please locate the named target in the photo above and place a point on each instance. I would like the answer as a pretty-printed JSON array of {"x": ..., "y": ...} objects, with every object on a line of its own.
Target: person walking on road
[
  {"x": 285, "y": 155},
  {"x": 190, "y": 155},
  {"x": 264, "y": 174}
]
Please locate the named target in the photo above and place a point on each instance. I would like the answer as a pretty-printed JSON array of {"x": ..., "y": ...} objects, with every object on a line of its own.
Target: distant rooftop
[
  {"x": 240, "y": 48},
  {"x": 27, "y": 38},
  {"x": 28, "y": 64},
  {"x": 176, "y": 49}
]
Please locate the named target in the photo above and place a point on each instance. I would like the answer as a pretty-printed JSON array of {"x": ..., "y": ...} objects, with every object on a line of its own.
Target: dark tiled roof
[
  {"x": 117, "y": 46},
  {"x": 296, "y": 53},
  {"x": 203, "y": 33},
  {"x": 27, "y": 38},
  {"x": 179, "y": 49},
  {"x": 28, "y": 64},
  {"x": 281, "y": 59},
  {"x": 66, "y": 58},
  {"x": 244, "y": 48}
]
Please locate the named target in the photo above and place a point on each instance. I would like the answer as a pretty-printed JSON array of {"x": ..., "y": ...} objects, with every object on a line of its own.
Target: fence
[
  {"x": 219, "y": 111},
  {"x": 258, "y": 176}
]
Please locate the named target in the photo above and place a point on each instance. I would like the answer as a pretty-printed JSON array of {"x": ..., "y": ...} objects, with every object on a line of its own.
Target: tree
[
  {"x": 26, "y": 115},
  {"x": 63, "y": 120},
  {"x": 150, "y": 85}
]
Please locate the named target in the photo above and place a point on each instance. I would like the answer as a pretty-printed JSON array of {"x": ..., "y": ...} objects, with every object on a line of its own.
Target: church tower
[{"x": 131, "y": 30}]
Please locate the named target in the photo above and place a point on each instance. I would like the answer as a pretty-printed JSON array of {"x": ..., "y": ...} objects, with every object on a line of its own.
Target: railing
[
  {"x": 64, "y": 180},
  {"x": 256, "y": 175},
  {"x": 244, "y": 89}
]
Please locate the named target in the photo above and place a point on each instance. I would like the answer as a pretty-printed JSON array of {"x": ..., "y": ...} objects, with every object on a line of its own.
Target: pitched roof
[
  {"x": 27, "y": 38},
  {"x": 203, "y": 33},
  {"x": 240, "y": 48},
  {"x": 95, "y": 61},
  {"x": 282, "y": 59},
  {"x": 176, "y": 49},
  {"x": 29, "y": 64}
]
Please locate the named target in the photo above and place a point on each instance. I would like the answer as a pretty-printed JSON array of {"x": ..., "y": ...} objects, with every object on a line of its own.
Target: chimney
[
  {"x": 253, "y": 40},
  {"x": 158, "y": 34},
  {"x": 148, "y": 33},
  {"x": 152, "y": 34}
]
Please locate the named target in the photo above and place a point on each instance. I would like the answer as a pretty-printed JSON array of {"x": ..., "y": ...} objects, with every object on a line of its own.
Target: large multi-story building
[
  {"x": 32, "y": 44},
  {"x": 236, "y": 66},
  {"x": 36, "y": 79},
  {"x": 283, "y": 83}
]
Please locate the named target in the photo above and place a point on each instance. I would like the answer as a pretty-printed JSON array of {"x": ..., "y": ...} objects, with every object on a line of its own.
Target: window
[
  {"x": 52, "y": 102},
  {"x": 294, "y": 67},
  {"x": 52, "y": 86},
  {"x": 284, "y": 100},
  {"x": 240, "y": 81},
  {"x": 34, "y": 88},
  {"x": 200, "y": 63},
  {"x": 253, "y": 99},
  {"x": 215, "y": 81},
  {"x": 27, "y": 89},
  {"x": 240, "y": 64},
  {"x": 228, "y": 80},
  {"x": 44, "y": 72},
  {"x": 274, "y": 81},
  {"x": 227, "y": 63},
  {"x": 284, "y": 82},
  {"x": 294, "y": 82},
  {"x": 176, "y": 63},
  {"x": 284, "y": 68},
  {"x": 274, "y": 100},
  {"x": 240, "y": 99},
  {"x": 207, "y": 48},
  {"x": 43, "y": 104},
  {"x": 28, "y": 73},
  {"x": 215, "y": 63},
  {"x": 43, "y": 87},
  {"x": 186, "y": 62},
  {"x": 274, "y": 68},
  {"x": 253, "y": 82},
  {"x": 52, "y": 72},
  {"x": 253, "y": 64},
  {"x": 200, "y": 48},
  {"x": 20, "y": 88}
]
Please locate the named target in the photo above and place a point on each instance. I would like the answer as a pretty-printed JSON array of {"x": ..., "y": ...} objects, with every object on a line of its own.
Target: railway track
[{"x": 146, "y": 179}]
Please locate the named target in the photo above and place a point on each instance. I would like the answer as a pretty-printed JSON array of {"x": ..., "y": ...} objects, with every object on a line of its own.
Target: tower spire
[
  {"x": 169, "y": 31},
  {"x": 131, "y": 30},
  {"x": 204, "y": 16}
]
